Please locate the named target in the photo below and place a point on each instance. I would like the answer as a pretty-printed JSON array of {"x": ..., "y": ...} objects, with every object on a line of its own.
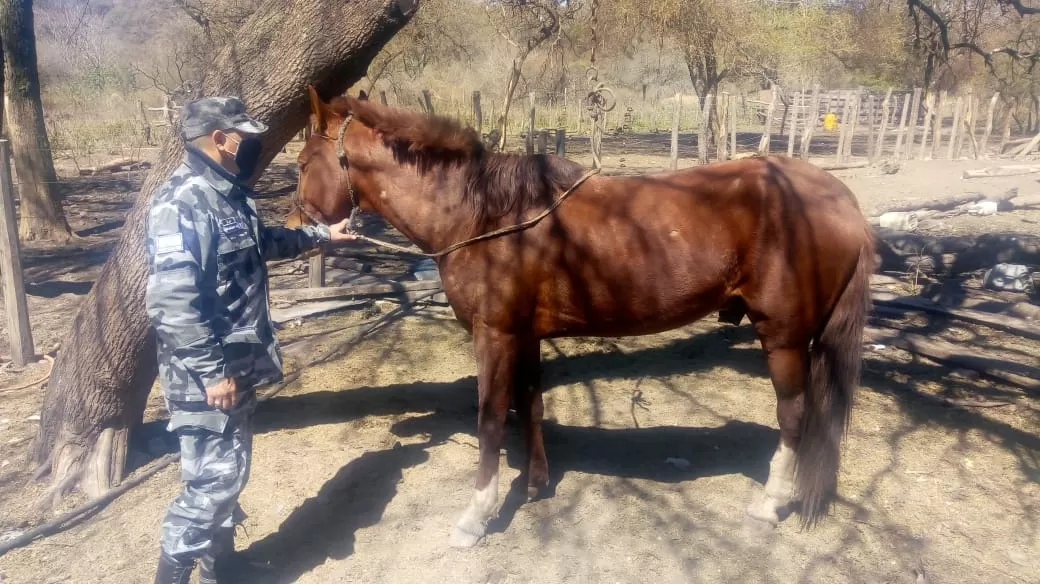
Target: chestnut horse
[{"x": 775, "y": 239}]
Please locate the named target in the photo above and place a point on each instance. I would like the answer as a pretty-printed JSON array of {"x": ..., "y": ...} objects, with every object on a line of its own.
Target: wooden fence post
[
  {"x": 675, "y": 131},
  {"x": 879, "y": 148},
  {"x": 732, "y": 125},
  {"x": 870, "y": 127},
  {"x": 763, "y": 143},
  {"x": 382, "y": 97},
  {"x": 543, "y": 142},
  {"x": 19, "y": 331},
  {"x": 561, "y": 141},
  {"x": 722, "y": 140},
  {"x": 316, "y": 270},
  {"x": 147, "y": 124},
  {"x": 853, "y": 122},
  {"x": 792, "y": 130},
  {"x": 904, "y": 113},
  {"x": 702, "y": 138},
  {"x": 911, "y": 126},
  {"x": 843, "y": 129},
  {"x": 529, "y": 142},
  {"x": 427, "y": 101},
  {"x": 984, "y": 147},
  {"x": 478, "y": 114},
  {"x": 937, "y": 124},
  {"x": 970, "y": 123},
  {"x": 811, "y": 117},
  {"x": 929, "y": 111},
  {"x": 951, "y": 146}
]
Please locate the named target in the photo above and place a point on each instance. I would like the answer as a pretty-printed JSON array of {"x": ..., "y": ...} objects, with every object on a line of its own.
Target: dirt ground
[{"x": 362, "y": 465}]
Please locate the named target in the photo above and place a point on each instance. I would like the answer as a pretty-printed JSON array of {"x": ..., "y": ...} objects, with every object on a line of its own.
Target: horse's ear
[
  {"x": 362, "y": 96},
  {"x": 318, "y": 109}
]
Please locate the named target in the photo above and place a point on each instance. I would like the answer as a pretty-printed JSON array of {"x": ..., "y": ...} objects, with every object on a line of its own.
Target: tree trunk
[
  {"x": 511, "y": 85},
  {"x": 107, "y": 365},
  {"x": 42, "y": 217}
]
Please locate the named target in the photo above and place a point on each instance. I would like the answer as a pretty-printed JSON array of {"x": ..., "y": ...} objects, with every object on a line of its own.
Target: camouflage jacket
[{"x": 207, "y": 295}]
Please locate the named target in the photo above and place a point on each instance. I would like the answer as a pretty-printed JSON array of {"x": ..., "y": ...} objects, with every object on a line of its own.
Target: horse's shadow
[{"x": 323, "y": 526}]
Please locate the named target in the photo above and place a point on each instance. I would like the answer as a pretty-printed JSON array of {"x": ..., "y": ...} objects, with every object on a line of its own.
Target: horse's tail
[{"x": 836, "y": 357}]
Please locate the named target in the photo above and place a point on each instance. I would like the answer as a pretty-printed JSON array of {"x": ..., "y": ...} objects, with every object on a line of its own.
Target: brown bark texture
[
  {"x": 107, "y": 365},
  {"x": 42, "y": 217}
]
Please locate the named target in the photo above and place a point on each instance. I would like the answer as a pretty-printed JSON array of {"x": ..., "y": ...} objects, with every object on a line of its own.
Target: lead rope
[{"x": 353, "y": 219}]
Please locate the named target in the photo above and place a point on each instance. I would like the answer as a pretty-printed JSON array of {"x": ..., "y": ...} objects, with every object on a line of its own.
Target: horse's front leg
[{"x": 497, "y": 358}]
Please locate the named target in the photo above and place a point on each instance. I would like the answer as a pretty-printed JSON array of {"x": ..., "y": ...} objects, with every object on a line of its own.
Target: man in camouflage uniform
[{"x": 207, "y": 299}]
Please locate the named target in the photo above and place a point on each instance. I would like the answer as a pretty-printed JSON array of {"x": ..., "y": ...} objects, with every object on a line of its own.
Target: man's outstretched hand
[{"x": 340, "y": 232}]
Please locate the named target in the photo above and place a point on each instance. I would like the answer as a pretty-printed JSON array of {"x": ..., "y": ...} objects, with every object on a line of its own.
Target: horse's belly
[{"x": 639, "y": 310}]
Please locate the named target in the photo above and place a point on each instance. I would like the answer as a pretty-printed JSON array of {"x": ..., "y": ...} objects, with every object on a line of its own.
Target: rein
[{"x": 353, "y": 219}]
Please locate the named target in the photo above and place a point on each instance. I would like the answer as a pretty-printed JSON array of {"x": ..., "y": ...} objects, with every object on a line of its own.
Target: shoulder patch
[{"x": 169, "y": 243}]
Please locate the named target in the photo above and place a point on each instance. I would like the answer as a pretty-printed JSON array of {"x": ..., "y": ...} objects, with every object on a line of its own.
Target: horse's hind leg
[
  {"x": 789, "y": 371},
  {"x": 498, "y": 355},
  {"x": 531, "y": 408}
]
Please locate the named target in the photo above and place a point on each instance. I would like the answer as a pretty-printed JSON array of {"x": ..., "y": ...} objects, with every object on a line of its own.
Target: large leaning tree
[{"x": 106, "y": 366}]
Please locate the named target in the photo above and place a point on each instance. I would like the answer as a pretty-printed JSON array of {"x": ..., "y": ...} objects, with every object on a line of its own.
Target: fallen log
[
  {"x": 284, "y": 315},
  {"x": 382, "y": 289},
  {"x": 120, "y": 164},
  {"x": 1010, "y": 170},
  {"x": 844, "y": 166},
  {"x": 1028, "y": 147},
  {"x": 1011, "y": 372},
  {"x": 995, "y": 321},
  {"x": 940, "y": 204}
]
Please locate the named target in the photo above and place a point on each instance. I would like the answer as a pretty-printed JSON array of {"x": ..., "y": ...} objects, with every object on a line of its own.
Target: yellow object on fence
[{"x": 830, "y": 121}]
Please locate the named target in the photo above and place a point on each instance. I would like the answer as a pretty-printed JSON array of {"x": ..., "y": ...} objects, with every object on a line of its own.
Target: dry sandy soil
[{"x": 363, "y": 464}]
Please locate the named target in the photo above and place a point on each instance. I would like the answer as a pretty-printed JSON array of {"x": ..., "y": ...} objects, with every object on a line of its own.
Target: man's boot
[
  {"x": 214, "y": 566},
  {"x": 172, "y": 571}
]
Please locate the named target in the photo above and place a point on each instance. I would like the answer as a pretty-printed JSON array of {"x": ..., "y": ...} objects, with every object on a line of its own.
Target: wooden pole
[
  {"x": 529, "y": 142},
  {"x": 147, "y": 131},
  {"x": 811, "y": 117},
  {"x": 929, "y": 111},
  {"x": 675, "y": 131},
  {"x": 478, "y": 113},
  {"x": 722, "y": 140},
  {"x": 561, "y": 141},
  {"x": 19, "y": 331},
  {"x": 970, "y": 124},
  {"x": 902, "y": 127},
  {"x": 763, "y": 144},
  {"x": 852, "y": 126},
  {"x": 984, "y": 147},
  {"x": 1005, "y": 134},
  {"x": 839, "y": 156},
  {"x": 543, "y": 142},
  {"x": 382, "y": 97},
  {"x": 702, "y": 138},
  {"x": 427, "y": 101},
  {"x": 911, "y": 126},
  {"x": 732, "y": 125},
  {"x": 937, "y": 124},
  {"x": 870, "y": 127},
  {"x": 316, "y": 270},
  {"x": 951, "y": 146},
  {"x": 879, "y": 148},
  {"x": 792, "y": 130}
]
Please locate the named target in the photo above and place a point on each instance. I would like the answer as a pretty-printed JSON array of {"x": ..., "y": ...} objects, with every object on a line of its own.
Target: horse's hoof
[
  {"x": 533, "y": 493},
  {"x": 765, "y": 511},
  {"x": 463, "y": 539}
]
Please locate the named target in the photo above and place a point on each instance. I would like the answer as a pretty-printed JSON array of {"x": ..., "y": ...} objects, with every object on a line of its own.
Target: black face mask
[{"x": 247, "y": 157}]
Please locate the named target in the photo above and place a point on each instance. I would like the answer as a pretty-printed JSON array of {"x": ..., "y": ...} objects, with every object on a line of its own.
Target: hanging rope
[{"x": 600, "y": 98}]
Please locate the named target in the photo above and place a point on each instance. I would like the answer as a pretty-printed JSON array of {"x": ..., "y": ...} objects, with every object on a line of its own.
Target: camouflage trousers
[{"x": 216, "y": 452}]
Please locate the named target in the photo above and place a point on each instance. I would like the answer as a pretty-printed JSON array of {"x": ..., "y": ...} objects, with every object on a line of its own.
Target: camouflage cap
[{"x": 202, "y": 116}]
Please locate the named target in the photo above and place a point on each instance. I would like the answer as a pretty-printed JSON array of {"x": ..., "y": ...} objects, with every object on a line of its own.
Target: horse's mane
[{"x": 496, "y": 184}]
